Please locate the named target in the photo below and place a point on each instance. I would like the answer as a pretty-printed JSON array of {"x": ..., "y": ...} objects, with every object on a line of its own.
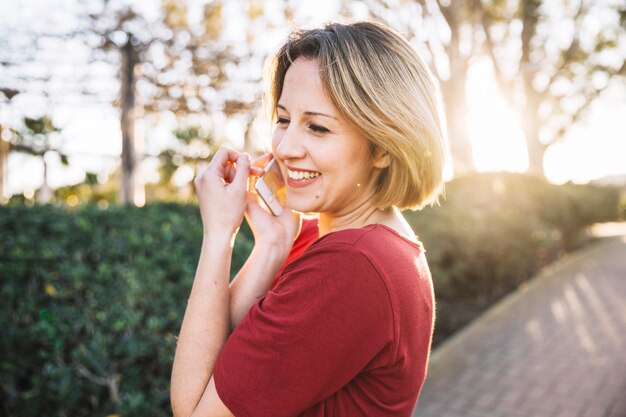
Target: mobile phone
[{"x": 271, "y": 188}]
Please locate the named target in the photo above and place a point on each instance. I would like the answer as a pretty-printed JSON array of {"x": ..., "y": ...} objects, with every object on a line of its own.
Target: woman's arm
[
  {"x": 254, "y": 279},
  {"x": 273, "y": 239},
  {"x": 221, "y": 191},
  {"x": 205, "y": 326}
]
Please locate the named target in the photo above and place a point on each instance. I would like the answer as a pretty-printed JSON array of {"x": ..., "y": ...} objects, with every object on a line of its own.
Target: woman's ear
[{"x": 381, "y": 158}]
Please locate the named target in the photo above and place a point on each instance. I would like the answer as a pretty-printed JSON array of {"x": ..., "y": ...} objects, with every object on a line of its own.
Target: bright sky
[{"x": 594, "y": 149}]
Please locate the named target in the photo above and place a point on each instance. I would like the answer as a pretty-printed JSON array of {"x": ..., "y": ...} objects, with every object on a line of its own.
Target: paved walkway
[{"x": 556, "y": 348}]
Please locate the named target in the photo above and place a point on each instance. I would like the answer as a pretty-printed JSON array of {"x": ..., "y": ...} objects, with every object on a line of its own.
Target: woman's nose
[{"x": 288, "y": 144}]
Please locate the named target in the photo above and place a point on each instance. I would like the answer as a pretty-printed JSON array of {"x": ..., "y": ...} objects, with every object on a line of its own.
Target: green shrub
[
  {"x": 494, "y": 231},
  {"x": 91, "y": 303}
]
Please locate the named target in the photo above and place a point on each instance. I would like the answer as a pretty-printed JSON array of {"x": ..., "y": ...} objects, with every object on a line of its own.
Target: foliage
[
  {"x": 193, "y": 145},
  {"x": 93, "y": 297},
  {"x": 37, "y": 137},
  {"x": 494, "y": 231},
  {"x": 550, "y": 60},
  {"x": 92, "y": 301}
]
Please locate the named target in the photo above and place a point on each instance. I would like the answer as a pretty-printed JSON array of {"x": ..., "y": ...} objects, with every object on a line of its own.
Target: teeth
[{"x": 299, "y": 175}]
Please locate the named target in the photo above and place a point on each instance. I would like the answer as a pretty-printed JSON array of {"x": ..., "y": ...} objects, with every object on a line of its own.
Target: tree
[
  {"x": 126, "y": 33},
  {"x": 551, "y": 59},
  {"x": 39, "y": 137},
  {"x": 178, "y": 66},
  {"x": 34, "y": 60},
  {"x": 567, "y": 55},
  {"x": 205, "y": 76},
  {"x": 178, "y": 163},
  {"x": 9, "y": 93}
]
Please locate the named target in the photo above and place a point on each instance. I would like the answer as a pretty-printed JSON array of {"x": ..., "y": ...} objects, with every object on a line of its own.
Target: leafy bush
[
  {"x": 92, "y": 298},
  {"x": 494, "y": 231},
  {"x": 92, "y": 301}
]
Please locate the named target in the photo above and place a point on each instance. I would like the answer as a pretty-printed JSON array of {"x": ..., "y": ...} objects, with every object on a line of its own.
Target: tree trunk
[
  {"x": 45, "y": 192},
  {"x": 130, "y": 193},
  {"x": 4, "y": 160},
  {"x": 453, "y": 91},
  {"x": 456, "y": 113},
  {"x": 531, "y": 127}
]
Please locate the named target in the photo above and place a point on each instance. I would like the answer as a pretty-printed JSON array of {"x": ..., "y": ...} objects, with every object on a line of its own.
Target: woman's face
[{"x": 326, "y": 163}]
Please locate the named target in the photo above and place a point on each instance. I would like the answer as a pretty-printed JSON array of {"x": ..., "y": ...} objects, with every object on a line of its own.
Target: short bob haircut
[{"x": 380, "y": 84}]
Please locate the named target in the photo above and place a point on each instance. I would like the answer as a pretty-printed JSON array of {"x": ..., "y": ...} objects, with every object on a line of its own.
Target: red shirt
[
  {"x": 309, "y": 233},
  {"x": 346, "y": 331}
]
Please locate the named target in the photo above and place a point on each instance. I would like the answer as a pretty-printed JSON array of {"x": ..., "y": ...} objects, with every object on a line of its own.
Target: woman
[{"x": 346, "y": 328}]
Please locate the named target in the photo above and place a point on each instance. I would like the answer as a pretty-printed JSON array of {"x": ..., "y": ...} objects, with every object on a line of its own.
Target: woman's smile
[{"x": 298, "y": 178}]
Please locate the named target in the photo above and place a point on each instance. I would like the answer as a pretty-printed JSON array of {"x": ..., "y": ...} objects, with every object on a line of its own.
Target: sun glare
[{"x": 498, "y": 143}]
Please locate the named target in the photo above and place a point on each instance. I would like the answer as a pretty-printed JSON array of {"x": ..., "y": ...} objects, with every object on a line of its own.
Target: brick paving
[{"x": 554, "y": 348}]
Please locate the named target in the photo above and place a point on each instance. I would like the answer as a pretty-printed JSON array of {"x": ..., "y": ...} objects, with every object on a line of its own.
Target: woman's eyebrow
[
  {"x": 310, "y": 113},
  {"x": 314, "y": 113}
]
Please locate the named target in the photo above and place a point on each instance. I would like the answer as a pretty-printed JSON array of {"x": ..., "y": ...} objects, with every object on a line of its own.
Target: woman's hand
[
  {"x": 275, "y": 232},
  {"x": 221, "y": 191}
]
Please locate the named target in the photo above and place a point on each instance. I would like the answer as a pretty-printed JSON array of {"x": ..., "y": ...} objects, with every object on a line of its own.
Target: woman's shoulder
[
  {"x": 373, "y": 237},
  {"x": 374, "y": 250}
]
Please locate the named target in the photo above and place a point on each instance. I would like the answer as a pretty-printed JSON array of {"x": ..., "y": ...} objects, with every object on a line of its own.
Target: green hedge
[
  {"x": 92, "y": 298},
  {"x": 91, "y": 303},
  {"x": 494, "y": 231}
]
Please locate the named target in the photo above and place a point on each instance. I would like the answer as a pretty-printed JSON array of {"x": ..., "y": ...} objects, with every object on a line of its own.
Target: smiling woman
[
  {"x": 368, "y": 103},
  {"x": 331, "y": 316}
]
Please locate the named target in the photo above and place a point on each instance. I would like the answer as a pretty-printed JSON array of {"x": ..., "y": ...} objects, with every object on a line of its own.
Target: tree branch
[
  {"x": 446, "y": 12},
  {"x": 372, "y": 6},
  {"x": 571, "y": 50},
  {"x": 485, "y": 22},
  {"x": 110, "y": 381},
  {"x": 578, "y": 114}
]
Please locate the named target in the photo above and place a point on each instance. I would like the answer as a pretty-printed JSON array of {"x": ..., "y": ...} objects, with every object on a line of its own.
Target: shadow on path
[{"x": 556, "y": 347}]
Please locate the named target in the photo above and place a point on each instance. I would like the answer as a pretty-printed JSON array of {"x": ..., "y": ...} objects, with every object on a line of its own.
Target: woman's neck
[
  {"x": 391, "y": 218},
  {"x": 361, "y": 216}
]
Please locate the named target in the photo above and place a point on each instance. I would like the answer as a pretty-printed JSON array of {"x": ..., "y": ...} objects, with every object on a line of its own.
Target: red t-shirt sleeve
[
  {"x": 309, "y": 233},
  {"x": 325, "y": 321}
]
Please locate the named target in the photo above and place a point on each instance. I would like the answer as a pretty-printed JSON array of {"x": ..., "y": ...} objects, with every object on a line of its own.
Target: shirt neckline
[{"x": 418, "y": 244}]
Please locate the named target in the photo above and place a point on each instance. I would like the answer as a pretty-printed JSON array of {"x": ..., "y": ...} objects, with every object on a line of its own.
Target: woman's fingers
[
  {"x": 256, "y": 171},
  {"x": 223, "y": 162},
  {"x": 240, "y": 178},
  {"x": 261, "y": 161},
  {"x": 225, "y": 154},
  {"x": 225, "y": 166}
]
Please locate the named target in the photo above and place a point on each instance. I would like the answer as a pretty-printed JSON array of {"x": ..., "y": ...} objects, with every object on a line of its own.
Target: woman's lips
[
  {"x": 298, "y": 178},
  {"x": 301, "y": 183}
]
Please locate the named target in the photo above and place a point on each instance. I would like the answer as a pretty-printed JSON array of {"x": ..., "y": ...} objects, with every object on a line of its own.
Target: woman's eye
[
  {"x": 318, "y": 128},
  {"x": 282, "y": 121}
]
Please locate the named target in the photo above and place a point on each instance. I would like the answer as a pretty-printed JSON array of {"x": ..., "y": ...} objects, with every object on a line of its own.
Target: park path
[{"x": 554, "y": 348}]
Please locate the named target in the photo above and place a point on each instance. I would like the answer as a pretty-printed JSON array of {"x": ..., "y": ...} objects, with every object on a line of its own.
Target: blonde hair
[{"x": 380, "y": 84}]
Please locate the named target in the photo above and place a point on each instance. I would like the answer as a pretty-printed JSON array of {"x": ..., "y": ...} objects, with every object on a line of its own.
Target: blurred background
[
  {"x": 108, "y": 106},
  {"x": 126, "y": 96}
]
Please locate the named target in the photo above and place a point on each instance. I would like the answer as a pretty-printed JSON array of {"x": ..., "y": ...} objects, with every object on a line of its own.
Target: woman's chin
[{"x": 301, "y": 206}]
